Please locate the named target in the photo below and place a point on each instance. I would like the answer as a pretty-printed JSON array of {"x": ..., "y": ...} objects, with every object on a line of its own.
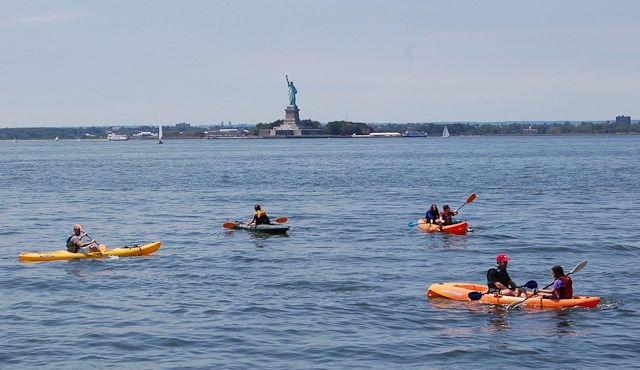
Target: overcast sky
[{"x": 134, "y": 62}]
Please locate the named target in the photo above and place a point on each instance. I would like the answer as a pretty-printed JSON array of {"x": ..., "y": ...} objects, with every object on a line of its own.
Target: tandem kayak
[
  {"x": 263, "y": 228},
  {"x": 457, "y": 228},
  {"x": 128, "y": 251},
  {"x": 460, "y": 292}
]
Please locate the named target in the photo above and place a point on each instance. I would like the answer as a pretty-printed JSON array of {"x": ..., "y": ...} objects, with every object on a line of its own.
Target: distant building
[
  {"x": 226, "y": 133},
  {"x": 530, "y": 131},
  {"x": 183, "y": 126},
  {"x": 623, "y": 120}
]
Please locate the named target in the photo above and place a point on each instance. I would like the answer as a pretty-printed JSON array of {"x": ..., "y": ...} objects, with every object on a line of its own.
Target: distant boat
[
  {"x": 445, "y": 132},
  {"x": 159, "y": 134},
  {"x": 56, "y": 139},
  {"x": 414, "y": 134},
  {"x": 117, "y": 137}
]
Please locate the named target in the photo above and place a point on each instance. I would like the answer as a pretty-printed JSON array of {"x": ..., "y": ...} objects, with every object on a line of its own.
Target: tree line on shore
[{"x": 336, "y": 128}]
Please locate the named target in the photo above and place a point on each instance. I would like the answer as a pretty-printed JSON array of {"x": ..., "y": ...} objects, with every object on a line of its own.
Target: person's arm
[
  {"x": 254, "y": 218},
  {"x": 557, "y": 284},
  {"x": 515, "y": 288},
  {"x": 492, "y": 276},
  {"x": 87, "y": 243},
  {"x": 80, "y": 244}
]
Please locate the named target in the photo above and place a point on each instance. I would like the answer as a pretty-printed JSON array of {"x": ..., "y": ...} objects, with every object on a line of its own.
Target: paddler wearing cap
[
  {"x": 500, "y": 282},
  {"x": 75, "y": 243}
]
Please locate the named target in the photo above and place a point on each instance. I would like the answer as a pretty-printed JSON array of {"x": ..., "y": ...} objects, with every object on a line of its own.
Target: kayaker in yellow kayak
[
  {"x": 75, "y": 243},
  {"x": 259, "y": 217},
  {"x": 499, "y": 281}
]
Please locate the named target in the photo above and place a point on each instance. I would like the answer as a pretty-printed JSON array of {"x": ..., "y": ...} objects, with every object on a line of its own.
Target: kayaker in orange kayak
[
  {"x": 562, "y": 285},
  {"x": 433, "y": 214},
  {"x": 499, "y": 281}
]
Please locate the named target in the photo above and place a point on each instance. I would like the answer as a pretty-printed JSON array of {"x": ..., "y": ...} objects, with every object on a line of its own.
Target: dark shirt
[{"x": 497, "y": 275}]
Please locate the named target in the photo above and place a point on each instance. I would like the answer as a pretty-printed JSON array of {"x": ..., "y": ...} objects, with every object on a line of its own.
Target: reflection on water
[
  {"x": 259, "y": 239},
  {"x": 497, "y": 320},
  {"x": 563, "y": 324},
  {"x": 444, "y": 241}
]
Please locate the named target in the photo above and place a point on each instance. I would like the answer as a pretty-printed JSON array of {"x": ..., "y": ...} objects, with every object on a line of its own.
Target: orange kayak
[
  {"x": 460, "y": 292},
  {"x": 457, "y": 228}
]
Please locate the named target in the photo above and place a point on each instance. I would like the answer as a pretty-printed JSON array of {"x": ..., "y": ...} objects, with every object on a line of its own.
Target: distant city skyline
[{"x": 94, "y": 63}]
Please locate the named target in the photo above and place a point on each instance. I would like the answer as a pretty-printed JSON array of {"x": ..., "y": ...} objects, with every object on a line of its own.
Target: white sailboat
[
  {"x": 445, "y": 132},
  {"x": 160, "y": 134}
]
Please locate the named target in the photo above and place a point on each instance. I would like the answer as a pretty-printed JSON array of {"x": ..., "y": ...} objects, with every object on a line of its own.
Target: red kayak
[{"x": 457, "y": 228}]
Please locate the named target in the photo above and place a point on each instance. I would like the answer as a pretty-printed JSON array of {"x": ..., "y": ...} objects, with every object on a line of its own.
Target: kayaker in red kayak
[
  {"x": 75, "y": 244},
  {"x": 446, "y": 216},
  {"x": 562, "y": 285},
  {"x": 499, "y": 281}
]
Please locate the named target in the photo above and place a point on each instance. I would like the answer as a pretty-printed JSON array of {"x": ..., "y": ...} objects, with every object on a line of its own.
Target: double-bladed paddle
[
  {"x": 232, "y": 224},
  {"x": 474, "y": 296},
  {"x": 578, "y": 267}
]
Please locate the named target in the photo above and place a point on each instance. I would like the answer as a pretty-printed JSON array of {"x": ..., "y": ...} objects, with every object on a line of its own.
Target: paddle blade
[
  {"x": 474, "y": 296},
  {"x": 471, "y": 198},
  {"x": 515, "y": 305},
  {"x": 412, "y": 224},
  {"x": 580, "y": 266},
  {"x": 281, "y": 220},
  {"x": 102, "y": 247},
  {"x": 531, "y": 284},
  {"x": 229, "y": 225}
]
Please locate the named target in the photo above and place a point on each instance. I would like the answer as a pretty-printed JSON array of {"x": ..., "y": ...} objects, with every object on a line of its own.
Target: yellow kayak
[{"x": 128, "y": 251}]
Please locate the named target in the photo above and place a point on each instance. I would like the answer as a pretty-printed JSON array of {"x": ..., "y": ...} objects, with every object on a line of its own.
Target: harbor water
[{"x": 345, "y": 288}]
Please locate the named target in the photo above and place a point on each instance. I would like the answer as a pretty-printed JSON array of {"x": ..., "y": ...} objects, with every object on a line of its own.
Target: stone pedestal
[
  {"x": 292, "y": 116},
  {"x": 290, "y": 126}
]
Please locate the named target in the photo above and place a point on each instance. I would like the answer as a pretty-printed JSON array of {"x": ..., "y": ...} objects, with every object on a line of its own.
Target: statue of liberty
[{"x": 292, "y": 92}]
